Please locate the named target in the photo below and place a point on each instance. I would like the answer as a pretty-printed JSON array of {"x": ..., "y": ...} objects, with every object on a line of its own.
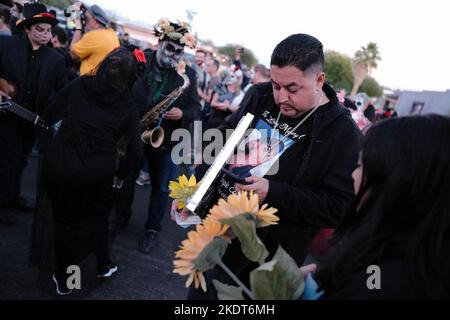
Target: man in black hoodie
[{"x": 312, "y": 181}]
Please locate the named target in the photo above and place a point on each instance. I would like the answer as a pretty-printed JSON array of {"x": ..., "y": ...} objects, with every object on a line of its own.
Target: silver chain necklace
[{"x": 268, "y": 152}]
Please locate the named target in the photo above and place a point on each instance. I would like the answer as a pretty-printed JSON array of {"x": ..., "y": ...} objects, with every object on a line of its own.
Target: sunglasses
[{"x": 171, "y": 48}]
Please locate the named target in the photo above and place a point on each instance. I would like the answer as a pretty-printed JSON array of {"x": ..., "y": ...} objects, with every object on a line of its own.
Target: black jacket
[
  {"x": 84, "y": 149},
  {"x": 188, "y": 101},
  {"x": 321, "y": 184},
  {"x": 395, "y": 284},
  {"x": 13, "y": 67}
]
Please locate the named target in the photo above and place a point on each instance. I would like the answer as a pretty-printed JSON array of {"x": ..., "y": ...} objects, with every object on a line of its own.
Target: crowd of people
[{"x": 382, "y": 186}]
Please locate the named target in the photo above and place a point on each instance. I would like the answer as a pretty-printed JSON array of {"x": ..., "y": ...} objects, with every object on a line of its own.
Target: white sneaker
[
  {"x": 62, "y": 290},
  {"x": 143, "y": 179},
  {"x": 108, "y": 271}
]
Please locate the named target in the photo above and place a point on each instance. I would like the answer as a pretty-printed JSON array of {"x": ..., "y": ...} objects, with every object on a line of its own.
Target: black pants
[
  {"x": 162, "y": 170},
  {"x": 16, "y": 142},
  {"x": 123, "y": 199},
  {"x": 81, "y": 223}
]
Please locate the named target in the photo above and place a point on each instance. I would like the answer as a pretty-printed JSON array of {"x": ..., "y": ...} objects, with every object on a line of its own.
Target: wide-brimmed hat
[
  {"x": 34, "y": 13},
  {"x": 99, "y": 14}
]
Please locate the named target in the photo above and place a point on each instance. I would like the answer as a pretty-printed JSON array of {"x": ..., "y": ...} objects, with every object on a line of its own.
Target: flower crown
[{"x": 178, "y": 32}]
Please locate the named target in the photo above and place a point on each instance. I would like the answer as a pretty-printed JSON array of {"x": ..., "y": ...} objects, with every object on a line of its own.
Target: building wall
[{"x": 433, "y": 102}]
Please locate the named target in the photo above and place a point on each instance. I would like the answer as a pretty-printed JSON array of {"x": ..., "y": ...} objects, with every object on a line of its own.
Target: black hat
[{"x": 34, "y": 13}]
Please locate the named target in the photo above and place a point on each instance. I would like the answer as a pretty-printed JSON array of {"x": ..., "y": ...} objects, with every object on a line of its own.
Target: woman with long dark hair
[
  {"x": 400, "y": 222},
  {"x": 81, "y": 162}
]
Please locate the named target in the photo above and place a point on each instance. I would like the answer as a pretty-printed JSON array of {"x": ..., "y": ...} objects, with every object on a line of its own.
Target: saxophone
[{"x": 155, "y": 136}]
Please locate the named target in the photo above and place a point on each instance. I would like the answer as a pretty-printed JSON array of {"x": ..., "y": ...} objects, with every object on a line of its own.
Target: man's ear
[{"x": 320, "y": 79}]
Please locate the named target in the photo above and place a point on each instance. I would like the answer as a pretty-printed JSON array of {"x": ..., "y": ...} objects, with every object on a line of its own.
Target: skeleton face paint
[{"x": 169, "y": 53}]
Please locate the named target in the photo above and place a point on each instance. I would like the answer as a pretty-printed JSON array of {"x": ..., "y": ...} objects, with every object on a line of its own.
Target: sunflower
[
  {"x": 182, "y": 189},
  {"x": 244, "y": 202},
  {"x": 192, "y": 247}
]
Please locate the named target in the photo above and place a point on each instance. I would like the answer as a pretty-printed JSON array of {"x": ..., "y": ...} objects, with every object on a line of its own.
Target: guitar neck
[{"x": 25, "y": 114}]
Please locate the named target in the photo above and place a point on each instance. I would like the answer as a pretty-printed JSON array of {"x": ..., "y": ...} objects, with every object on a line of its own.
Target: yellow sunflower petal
[
  {"x": 189, "y": 280},
  {"x": 192, "y": 181},
  {"x": 202, "y": 281},
  {"x": 183, "y": 181}
]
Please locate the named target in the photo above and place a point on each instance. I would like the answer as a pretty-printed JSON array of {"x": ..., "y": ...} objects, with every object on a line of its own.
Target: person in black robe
[{"x": 80, "y": 165}]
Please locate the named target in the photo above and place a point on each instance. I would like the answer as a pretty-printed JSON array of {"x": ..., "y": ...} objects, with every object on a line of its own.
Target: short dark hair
[
  {"x": 299, "y": 50},
  {"x": 262, "y": 70},
  {"x": 60, "y": 33},
  {"x": 5, "y": 14},
  {"x": 201, "y": 51},
  {"x": 216, "y": 63}
]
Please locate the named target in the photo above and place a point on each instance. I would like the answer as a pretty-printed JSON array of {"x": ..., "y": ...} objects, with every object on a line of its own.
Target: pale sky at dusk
[{"x": 412, "y": 35}]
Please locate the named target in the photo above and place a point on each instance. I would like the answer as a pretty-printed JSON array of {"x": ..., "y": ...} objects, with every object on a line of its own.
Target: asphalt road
[{"x": 139, "y": 276}]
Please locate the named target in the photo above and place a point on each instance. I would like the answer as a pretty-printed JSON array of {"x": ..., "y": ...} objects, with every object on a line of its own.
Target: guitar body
[{"x": 9, "y": 87}]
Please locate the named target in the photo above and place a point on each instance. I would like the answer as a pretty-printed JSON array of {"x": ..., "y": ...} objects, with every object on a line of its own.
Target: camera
[{"x": 72, "y": 14}]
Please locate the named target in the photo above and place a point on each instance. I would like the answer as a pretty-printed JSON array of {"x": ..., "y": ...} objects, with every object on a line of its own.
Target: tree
[
  {"x": 247, "y": 56},
  {"x": 365, "y": 60},
  {"x": 338, "y": 68},
  {"x": 206, "y": 42},
  {"x": 371, "y": 87},
  {"x": 60, "y": 4}
]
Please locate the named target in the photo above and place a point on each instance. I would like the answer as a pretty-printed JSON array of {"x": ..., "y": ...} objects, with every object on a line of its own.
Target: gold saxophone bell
[{"x": 154, "y": 137}]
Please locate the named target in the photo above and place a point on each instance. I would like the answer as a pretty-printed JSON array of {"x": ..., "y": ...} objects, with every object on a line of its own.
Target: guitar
[{"x": 24, "y": 113}]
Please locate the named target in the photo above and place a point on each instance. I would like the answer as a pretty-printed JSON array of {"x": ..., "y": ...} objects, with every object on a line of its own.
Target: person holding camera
[{"x": 92, "y": 40}]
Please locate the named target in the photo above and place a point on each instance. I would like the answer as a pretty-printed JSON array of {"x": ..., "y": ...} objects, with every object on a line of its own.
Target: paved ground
[{"x": 139, "y": 276}]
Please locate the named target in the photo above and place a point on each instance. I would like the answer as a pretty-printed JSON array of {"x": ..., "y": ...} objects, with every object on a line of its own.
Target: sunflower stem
[{"x": 233, "y": 276}]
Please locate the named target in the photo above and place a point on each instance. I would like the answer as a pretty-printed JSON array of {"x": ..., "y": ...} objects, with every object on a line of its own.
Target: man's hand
[
  {"x": 200, "y": 93},
  {"x": 260, "y": 186},
  {"x": 305, "y": 270},
  {"x": 77, "y": 5},
  {"x": 237, "y": 53},
  {"x": 78, "y": 24},
  {"x": 118, "y": 183},
  {"x": 225, "y": 105},
  {"x": 173, "y": 114}
]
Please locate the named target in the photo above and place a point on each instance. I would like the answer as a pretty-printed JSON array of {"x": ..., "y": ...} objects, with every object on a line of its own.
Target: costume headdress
[{"x": 177, "y": 32}]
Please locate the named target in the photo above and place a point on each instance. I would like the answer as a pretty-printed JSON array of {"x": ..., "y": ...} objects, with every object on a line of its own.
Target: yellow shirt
[{"x": 93, "y": 47}]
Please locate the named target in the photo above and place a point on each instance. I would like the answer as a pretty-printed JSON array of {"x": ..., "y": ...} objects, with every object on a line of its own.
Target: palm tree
[{"x": 365, "y": 60}]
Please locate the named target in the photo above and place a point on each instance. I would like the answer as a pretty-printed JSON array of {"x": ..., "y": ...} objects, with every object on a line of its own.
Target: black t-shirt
[{"x": 259, "y": 152}]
